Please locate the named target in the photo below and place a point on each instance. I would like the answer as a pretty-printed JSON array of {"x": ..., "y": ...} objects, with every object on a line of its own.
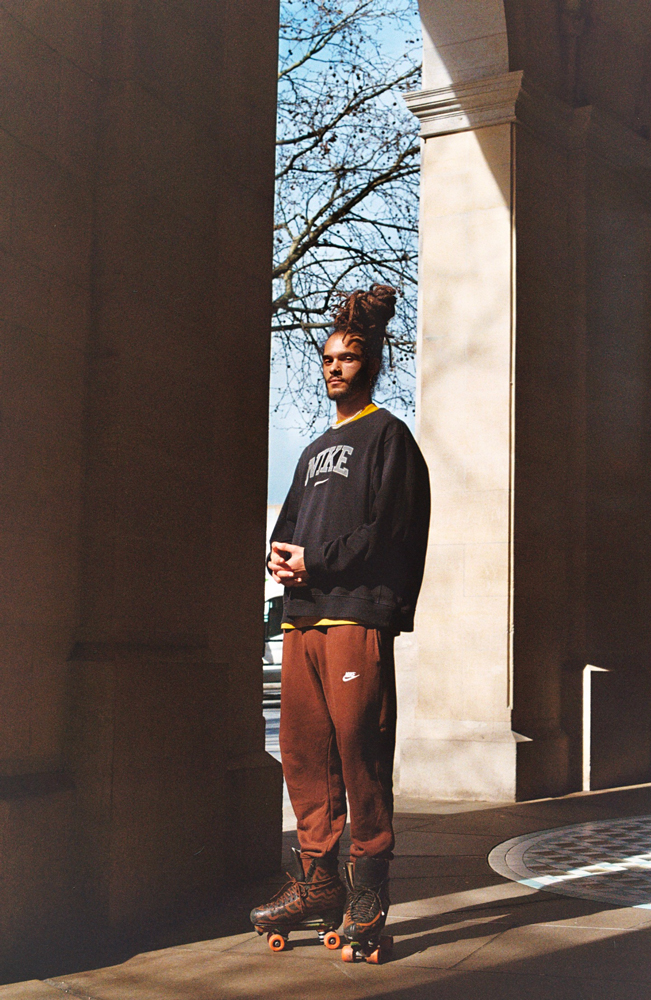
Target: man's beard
[{"x": 359, "y": 381}]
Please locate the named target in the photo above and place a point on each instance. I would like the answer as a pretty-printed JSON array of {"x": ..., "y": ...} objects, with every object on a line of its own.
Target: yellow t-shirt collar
[{"x": 371, "y": 408}]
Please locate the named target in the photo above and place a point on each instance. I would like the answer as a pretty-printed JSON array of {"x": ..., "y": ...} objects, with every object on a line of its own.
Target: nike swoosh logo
[
  {"x": 321, "y": 481},
  {"x": 349, "y": 677}
]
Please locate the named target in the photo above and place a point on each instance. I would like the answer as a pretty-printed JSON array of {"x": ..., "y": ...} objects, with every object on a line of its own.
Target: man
[{"x": 349, "y": 547}]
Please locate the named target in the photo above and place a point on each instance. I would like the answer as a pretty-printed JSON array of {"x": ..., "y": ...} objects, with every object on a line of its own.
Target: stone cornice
[
  {"x": 586, "y": 128},
  {"x": 616, "y": 143},
  {"x": 465, "y": 106},
  {"x": 550, "y": 118},
  {"x": 510, "y": 97}
]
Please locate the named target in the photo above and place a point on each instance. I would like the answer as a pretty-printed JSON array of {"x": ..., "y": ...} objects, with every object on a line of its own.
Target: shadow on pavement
[{"x": 441, "y": 854}]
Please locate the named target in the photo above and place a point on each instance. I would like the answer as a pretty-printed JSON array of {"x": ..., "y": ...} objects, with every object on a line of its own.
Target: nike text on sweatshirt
[{"x": 359, "y": 504}]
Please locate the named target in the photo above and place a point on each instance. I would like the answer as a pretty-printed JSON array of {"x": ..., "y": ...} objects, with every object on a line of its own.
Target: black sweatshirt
[{"x": 359, "y": 504}]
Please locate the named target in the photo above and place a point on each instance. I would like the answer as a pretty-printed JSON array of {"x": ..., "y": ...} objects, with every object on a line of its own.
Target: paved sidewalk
[{"x": 461, "y": 930}]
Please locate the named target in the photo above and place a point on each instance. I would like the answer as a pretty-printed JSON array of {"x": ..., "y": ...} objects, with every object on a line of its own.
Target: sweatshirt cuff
[{"x": 312, "y": 557}]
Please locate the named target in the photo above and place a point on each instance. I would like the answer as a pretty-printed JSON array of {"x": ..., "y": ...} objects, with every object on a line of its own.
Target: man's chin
[{"x": 338, "y": 392}]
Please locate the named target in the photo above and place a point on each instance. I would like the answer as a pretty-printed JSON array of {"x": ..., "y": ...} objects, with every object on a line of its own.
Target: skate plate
[{"x": 277, "y": 938}]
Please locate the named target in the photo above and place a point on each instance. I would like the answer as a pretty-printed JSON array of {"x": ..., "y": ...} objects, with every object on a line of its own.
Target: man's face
[{"x": 345, "y": 370}]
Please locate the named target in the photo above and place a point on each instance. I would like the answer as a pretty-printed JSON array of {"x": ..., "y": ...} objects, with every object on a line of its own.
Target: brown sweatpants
[{"x": 337, "y": 735}]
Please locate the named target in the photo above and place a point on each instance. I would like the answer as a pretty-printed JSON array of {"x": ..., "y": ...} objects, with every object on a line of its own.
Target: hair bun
[
  {"x": 383, "y": 298},
  {"x": 366, "y": 314},
  {"x": 363, "y": 316}
]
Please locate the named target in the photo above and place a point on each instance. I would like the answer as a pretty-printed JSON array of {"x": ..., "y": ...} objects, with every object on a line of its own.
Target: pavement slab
[
  {"x": 461, "y": 931},
  {"x": 34, "y": 989},
  {"x": 427, "y": 842}
]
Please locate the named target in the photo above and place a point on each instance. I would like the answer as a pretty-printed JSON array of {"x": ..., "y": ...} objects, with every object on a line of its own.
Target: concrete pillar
[
  {"x": 137, "y": 150},
  {"x": 514, "y": 415},
  {"x": 457, "y": 735}
]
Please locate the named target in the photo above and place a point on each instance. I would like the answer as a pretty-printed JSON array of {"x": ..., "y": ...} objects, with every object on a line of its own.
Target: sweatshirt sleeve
[
  {"x": 399, "y": 516},
  {"x": 286, "y": 523}
]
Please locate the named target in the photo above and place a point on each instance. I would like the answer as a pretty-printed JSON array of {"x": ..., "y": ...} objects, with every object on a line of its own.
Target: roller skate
[
  {"x": 313, "y": 899},
  {"x": 367, "y": 905}
]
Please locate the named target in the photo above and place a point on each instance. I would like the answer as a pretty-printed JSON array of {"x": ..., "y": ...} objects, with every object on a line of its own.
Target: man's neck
[{"x": 351, "y": 407}]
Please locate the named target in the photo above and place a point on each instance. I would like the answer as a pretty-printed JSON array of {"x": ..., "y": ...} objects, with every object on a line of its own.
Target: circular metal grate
[{"x": 607, "y": 860}]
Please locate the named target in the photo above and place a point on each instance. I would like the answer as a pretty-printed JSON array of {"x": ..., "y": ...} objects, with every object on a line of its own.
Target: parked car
[{"x": 273, "y": 643}]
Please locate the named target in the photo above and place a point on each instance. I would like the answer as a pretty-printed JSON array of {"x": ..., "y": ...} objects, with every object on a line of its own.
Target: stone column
[
  {"x": 136, "y": 210},
  {"x": 175, "y": 790},
  {"x": 491, "y": 681},
  {"x": 456, "y": 738}
]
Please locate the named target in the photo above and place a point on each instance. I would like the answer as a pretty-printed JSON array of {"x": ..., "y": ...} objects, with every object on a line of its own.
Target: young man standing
[{"x": 349, "y": 547}]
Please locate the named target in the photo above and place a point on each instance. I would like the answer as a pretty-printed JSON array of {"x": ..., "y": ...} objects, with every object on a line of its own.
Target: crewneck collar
[{"x": 371, "y": 408}]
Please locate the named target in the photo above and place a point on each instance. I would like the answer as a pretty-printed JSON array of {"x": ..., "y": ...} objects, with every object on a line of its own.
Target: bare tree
[{"x": 346, "y": 182}]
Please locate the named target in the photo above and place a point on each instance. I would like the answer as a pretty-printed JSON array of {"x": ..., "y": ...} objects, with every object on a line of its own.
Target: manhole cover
[{"x": 609, "y": 861}]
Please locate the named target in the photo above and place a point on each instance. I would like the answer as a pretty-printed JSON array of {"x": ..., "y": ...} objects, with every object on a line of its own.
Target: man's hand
[{"x": 287, "y": 565}]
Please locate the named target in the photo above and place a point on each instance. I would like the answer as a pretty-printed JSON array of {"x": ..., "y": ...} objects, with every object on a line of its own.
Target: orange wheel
[
  {"x": 276, "y": 942},
  {"x": 376, "y": 957},
  {"x": 348, "y": 953},
  {"x": 332, "y": 940},
  {"x": 386, "y": 943}
]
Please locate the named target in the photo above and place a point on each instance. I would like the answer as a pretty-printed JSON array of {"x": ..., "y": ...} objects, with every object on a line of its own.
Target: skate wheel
[
  {"x": 348, "y": 953},
  {"x": 276, "y": 942},
  {"x": 376, "y": 957},
  {"x": 332, "y": 940}
]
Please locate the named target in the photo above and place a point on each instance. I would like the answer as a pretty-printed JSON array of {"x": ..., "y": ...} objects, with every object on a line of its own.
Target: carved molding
[
  {"x": 511, "y": 97},
  {"x": 587, "y": 128},
  {"x": 466, "y": 106},
  {"x": 616, "y": 143},
  {"x": 550, "y": 118}
]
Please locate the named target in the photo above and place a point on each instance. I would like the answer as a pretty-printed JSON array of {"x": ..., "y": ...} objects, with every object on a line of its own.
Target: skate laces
[
  {"x": 364, "y": 904},
  {"x": 288, "y": 891}
]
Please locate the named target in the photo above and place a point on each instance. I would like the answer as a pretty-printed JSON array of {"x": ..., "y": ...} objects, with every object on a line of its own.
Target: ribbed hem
[{"x": 366, "y": 612}]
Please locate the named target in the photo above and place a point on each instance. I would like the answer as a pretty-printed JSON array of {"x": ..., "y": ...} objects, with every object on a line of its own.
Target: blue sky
[
  {"x": 286, "y": 437},
  {"x": 285, "y": 447}
]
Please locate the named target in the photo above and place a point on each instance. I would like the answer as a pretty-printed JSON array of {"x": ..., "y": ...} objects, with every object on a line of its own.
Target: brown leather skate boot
[
  {"x": 367, "y": 906},
  {"x": 313, "y": 899}
]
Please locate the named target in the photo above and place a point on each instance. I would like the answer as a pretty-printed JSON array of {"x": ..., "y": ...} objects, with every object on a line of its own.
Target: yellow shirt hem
[{"x": 315, "y": 623}]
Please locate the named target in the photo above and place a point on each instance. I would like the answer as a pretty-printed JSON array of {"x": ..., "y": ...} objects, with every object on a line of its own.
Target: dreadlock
[{"x": 363, "y": 316}]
